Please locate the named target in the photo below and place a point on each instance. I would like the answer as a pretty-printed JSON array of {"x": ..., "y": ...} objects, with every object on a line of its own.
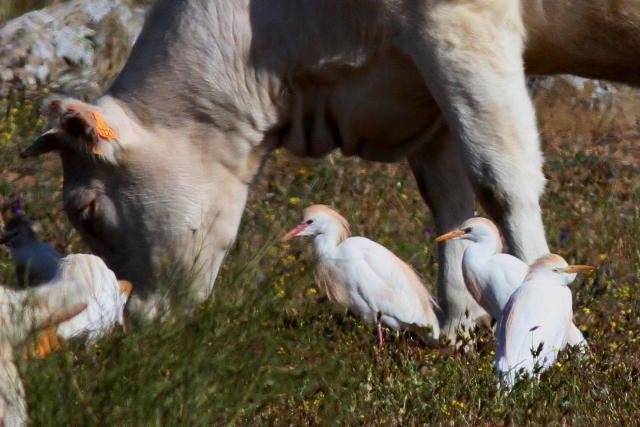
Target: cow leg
[
  {"x": 444, "y": 186},
  {"x": 470, "y": 55}
]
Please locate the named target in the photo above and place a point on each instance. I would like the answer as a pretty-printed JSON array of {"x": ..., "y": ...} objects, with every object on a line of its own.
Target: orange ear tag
[{"x": 104, "y": 131}]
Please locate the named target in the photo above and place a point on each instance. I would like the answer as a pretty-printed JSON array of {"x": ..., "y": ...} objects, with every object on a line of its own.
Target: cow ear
[
  {"x": 48, "y": 141},
  {"x": 71, "y": 120}
]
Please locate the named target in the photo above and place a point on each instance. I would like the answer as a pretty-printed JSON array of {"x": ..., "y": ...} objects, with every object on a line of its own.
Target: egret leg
[{"x": 379, "y": 326}]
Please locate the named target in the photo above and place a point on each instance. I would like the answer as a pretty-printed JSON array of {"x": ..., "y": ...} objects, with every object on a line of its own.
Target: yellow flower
[
  {"x": 458, "y": 404},
  {"x": 294, "y": 200},
  {"x": 603, "y": 257},
  {"x": 302, "y": 172},
  {"x": 363, "y": 171}
]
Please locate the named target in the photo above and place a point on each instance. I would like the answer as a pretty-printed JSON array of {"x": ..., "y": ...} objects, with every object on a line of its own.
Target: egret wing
[
  {"x": 536, "y": 313},
  {"x": 388, "y": 284}
]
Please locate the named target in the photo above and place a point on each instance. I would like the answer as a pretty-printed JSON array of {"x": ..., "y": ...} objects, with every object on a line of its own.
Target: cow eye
[{"x": 86, "y": 216}]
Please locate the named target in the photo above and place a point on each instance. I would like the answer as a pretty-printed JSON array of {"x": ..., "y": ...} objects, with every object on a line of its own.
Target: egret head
[
  {"x": 320, "y": 219},
  {"x": 555, "y": 268},
  {"x": 474, "y": 229}
]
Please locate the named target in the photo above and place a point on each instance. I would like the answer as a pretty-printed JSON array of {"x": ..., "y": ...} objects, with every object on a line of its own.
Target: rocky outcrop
[
  {"x": 74, "y": 47},
  {"x": 569, "y": 104}
]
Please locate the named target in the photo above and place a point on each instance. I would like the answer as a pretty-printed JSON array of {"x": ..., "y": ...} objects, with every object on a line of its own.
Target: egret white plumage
[
  {"x": 35, "y": 262},
  {"x": 537, "y": 318},
  {"x": 365, "y": 277},
  {"x": 84, "y": 278},
  {"x": 490, "y": 275}
]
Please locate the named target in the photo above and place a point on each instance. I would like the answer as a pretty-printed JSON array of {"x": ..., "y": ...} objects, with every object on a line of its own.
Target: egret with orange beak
[
  {"x": 365, "y": 277},
  {"x": 490, "y": 275},
  {"x": 86, "y": 279},
  {"x": 536, "y": 323}
]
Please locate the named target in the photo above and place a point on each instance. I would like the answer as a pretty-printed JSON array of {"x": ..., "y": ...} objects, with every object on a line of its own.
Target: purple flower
[
  {"x": 564, "y": 233},
  {"x": 16, "y": 205},
  {"x": 426, "y": 232}
]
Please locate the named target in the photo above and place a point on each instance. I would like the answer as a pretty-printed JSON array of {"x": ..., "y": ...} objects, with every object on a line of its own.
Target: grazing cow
[{"x": 165, "y": 158}]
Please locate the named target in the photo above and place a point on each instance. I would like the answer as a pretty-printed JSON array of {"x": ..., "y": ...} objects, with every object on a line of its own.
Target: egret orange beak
[
  {"x": 575, "y": 269},
  {"x": 297, "y": 229},
  {"x": 450, "y": 235},
  {"x": 125, "y": 287}
]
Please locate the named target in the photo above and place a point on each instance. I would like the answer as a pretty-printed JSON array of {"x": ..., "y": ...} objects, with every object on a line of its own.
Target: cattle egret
[
  {"x": 365, "y": 277},
  {"x": 536, "y": 322},
  {"x": 490, "y": 275},
  {"x": 36, "y": 262},
  {"x": 86, "y": 279}
]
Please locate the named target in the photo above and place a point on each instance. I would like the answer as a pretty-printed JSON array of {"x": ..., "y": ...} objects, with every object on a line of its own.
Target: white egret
[
  {"x": 365, "y": 277},
  {"x": 537, "y": 321},
  {"x": 86, "y": 279},
  {"x": 490, "y": 275}
]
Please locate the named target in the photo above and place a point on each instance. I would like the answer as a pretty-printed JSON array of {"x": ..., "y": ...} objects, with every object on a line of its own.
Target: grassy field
[{"x": 267, "y": 349}]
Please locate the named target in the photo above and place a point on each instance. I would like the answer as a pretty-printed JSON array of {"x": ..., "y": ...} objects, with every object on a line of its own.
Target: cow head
[{"x": 140, "y": 197}]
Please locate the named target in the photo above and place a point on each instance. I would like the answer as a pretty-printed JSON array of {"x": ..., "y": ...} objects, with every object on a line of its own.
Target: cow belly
[{"x": 380, "y": 113}]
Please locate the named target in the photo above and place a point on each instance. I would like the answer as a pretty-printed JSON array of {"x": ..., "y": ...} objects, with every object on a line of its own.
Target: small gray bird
[{"x": 36, "y": 262}]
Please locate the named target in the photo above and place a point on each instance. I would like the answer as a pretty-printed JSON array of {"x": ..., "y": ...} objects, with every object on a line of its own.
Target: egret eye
[
  {"x": 557, "y": 270},
  {"x": 309, "y": 222},
  {"x": 468, "y": 230}
]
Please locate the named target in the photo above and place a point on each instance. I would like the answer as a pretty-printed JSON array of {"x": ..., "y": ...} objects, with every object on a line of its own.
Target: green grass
[{"x": 267, "y": 350}]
